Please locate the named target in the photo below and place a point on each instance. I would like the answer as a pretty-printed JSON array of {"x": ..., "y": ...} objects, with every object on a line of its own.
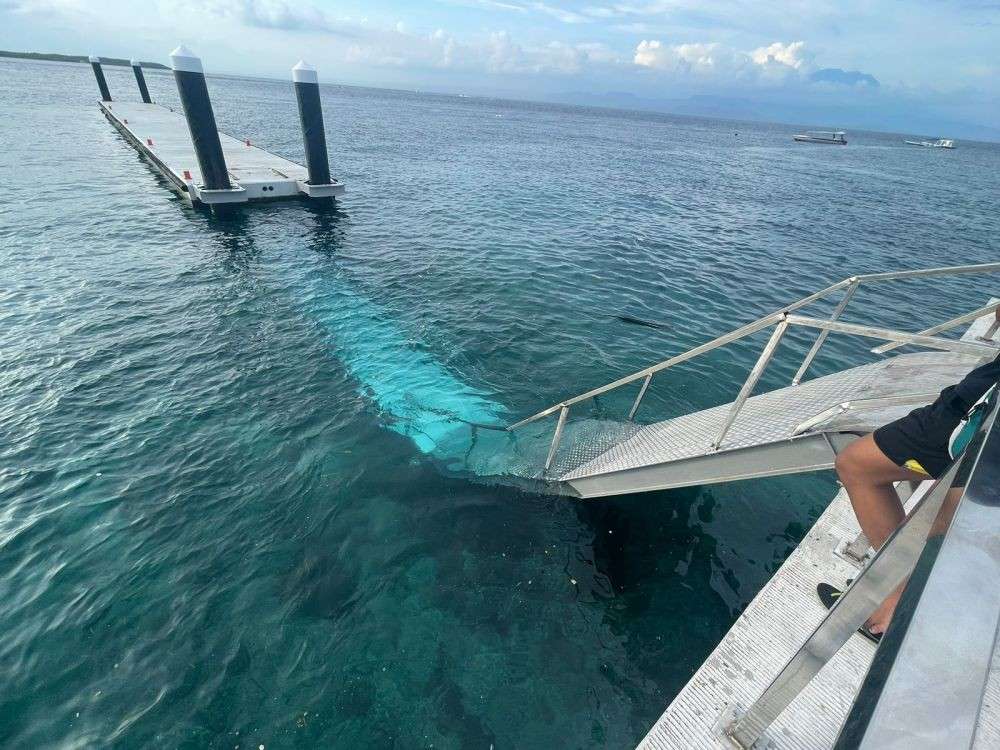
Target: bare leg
[
  {"x": 882, "y": 616},
  {"x": 868, "y": 476}
]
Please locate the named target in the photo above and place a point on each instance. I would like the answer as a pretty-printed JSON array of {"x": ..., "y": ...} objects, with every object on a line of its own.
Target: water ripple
[{"x": 215, "y": 530}]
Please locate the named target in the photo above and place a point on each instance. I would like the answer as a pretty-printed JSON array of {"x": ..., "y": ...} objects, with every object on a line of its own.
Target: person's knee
[
  {"x": 850, "y": 463},
  {"x": 844, "y": 463}
]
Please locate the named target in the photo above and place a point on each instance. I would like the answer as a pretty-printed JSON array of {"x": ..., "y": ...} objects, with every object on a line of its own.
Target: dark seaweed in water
[{"x": 640, "y": 322}]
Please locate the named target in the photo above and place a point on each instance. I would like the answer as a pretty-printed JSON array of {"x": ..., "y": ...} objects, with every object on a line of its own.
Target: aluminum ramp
[
  {"x": 762, "y": 440},
  {"x": 794, "y": 429}
]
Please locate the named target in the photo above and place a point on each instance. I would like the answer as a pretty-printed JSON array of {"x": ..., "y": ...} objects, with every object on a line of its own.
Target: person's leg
[
  {"x": 881, "y": 617},
  {"x": 868, "y": 476}
]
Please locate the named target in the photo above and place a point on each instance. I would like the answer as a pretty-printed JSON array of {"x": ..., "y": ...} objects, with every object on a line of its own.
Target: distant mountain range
[
  {"x": 900, "y": 118},
  {"x": 74, "y": 58}
]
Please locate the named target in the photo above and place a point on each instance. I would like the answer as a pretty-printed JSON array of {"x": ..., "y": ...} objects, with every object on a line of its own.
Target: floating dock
[
  {"x": 161, "y": 135},
  {"x": 214, "y": 168}
]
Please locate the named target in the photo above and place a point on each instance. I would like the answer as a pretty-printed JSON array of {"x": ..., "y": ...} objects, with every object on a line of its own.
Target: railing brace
[
  {"x": 817, "y": 345},
  {"x": 638, "y": 398},
  {"x": 751, "y": 382},
  {"x": 563, "y": 413}
]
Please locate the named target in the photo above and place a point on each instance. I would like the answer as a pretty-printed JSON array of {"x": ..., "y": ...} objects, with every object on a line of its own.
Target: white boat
[
  {"x": 939, "y": 143},
  {"x": 836, "y": 137}
]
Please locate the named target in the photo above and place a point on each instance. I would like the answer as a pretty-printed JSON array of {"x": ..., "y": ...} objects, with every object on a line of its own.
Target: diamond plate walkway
[{"x": 763, "y": 440}]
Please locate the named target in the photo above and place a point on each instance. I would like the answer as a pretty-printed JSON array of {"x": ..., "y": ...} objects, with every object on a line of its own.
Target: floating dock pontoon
[{"x": 211, "y": 167}]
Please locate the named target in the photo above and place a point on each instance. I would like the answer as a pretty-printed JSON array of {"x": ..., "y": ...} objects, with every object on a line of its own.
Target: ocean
[{"x": 235, "y": 508}]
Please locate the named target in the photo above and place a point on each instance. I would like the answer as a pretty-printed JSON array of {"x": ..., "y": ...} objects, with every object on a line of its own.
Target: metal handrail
[
  {"x": 900, "y": 337},
  {"x": 927, "y": 685},
  {"x": 890, "y": 566},
  {"x": 890, "y": 276},
  {"x": 782, "y": 319},
  {"x": 946, "y": 326},
  {"x": 726, "y": 338},
  {"x": 939, "y": 271}
]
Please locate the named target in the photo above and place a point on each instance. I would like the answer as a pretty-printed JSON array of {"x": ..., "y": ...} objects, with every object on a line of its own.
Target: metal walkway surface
[
  {"x": 762, "y": 440},
  {"x": 162, "y": 136},
  {"x": 765, "y": 637}
]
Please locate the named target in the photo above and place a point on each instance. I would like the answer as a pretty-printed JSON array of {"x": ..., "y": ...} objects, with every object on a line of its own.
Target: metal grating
[
  {"x": 765, "y": 636},
  {"x": 771, "y": 417}
]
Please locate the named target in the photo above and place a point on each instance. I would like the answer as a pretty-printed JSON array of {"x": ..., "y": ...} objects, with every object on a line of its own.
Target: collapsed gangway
[{"x": 794, "y": 429}]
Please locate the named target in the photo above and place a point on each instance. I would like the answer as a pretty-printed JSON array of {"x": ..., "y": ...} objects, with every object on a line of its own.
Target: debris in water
[{"x": 640, "y": 322}]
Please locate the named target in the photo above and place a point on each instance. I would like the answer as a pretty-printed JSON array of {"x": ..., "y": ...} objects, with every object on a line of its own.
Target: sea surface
[{"x": 233, "y": 506}]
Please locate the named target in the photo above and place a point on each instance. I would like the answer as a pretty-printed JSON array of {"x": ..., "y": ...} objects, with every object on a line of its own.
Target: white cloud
[
  {"x": 723, "y": 64},
  {"x": 696, "y": 58},
  {"x": 793, "y": 54},
  {"x": 495, "y": 53}
]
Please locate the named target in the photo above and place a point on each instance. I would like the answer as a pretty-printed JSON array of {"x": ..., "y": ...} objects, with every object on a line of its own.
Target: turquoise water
[{"x": 234, "y": 506}]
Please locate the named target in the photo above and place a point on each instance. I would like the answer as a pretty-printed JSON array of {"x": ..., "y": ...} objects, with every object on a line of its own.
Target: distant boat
[
  {"x": 836, "y": 137},
  {"x": 940, "y": 143}
]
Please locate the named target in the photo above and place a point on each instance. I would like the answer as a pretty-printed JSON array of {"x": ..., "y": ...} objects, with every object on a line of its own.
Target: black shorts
[{"x": 922, "y": 436}]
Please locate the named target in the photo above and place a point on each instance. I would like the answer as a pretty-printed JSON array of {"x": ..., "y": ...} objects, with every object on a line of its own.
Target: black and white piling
[
  {"x": 311, "y": 114},
  {"x": 190, "y": 77},
  {"x": 141, "y": 80},
  {"x": 102, "y": 84}
]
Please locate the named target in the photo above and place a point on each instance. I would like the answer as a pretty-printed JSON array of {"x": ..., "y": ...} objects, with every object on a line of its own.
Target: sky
[{"x": 923, "y": 66}]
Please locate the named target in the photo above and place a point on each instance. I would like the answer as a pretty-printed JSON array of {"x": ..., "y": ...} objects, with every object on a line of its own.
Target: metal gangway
[
  {"x": 792, "y": 674},
  {"x": 794, "y": 429}
]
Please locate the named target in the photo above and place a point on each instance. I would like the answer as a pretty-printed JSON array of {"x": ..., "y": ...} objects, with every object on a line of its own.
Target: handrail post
[
  {"x": 638, "y": 398},
  {"x": 988, "y": 336},
  {"x": 751, "y": 382},
  {"x": 855, "y": 283},
  {"x": 563, "y": 413}
]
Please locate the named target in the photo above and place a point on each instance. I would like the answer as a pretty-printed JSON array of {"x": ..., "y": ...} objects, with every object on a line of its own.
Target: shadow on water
[
  {"x": 654, "y": 550},
  {"x": 325, "y": 235}
]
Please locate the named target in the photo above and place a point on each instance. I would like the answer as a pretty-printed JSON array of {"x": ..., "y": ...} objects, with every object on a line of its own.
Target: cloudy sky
[{"x": 918, "y": 66}]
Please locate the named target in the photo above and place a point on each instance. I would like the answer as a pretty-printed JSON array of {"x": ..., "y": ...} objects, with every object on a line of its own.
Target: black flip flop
[{"x": 829, "y": 595}]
